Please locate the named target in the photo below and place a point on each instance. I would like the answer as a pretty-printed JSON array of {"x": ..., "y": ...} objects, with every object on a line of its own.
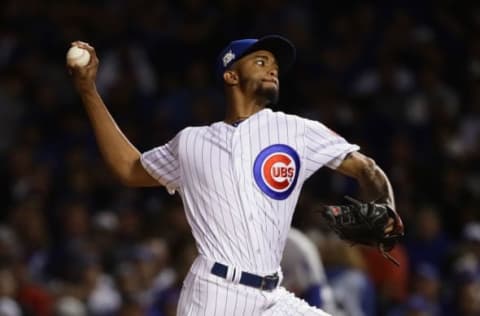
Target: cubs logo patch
[{"x": 276, "y": 169}]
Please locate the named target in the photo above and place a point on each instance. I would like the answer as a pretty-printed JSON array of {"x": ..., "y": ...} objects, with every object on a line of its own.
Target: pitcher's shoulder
[
  {"x": 189, "y": 131},
  {"x": 280, "y": 115},
  {"x": 195, "y": 129},
  {"x": 213, "y": 130}
]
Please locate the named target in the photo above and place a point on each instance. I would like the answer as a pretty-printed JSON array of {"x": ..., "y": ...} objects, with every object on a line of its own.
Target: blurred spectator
[
  {"x": 400, "y": 78},
  {"x": 425, "y": 295},
  {"x": 414, "y": 306},
  {"x": 8, "y": 290},
  {"x": 304, "y": 273},
  {"x": 8, "y": 307},
  {"x": 69, "y": 306},
  {"x": 427, "y": 242},
  {"x": 31, "y": 227},
  {"x": 345, "y": 267},
  {"x": 166, "y": 297},
  {"x": 466, "y": 299},
  {"x": 471, "y": 234},
  {"x": 101, "y": 295},
  {"x": 34, "y": 296},
  {"x": 390, "y": 281}
]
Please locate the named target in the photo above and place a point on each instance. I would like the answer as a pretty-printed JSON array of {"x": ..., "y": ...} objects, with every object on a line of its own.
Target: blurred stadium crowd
[{"x": 399, "y": 78}]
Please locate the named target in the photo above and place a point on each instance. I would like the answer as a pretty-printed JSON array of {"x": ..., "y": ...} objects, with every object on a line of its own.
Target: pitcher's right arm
[{"x": 122, "y": 158}]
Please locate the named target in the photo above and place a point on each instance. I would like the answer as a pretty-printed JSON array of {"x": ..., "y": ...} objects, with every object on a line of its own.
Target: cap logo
[
  {"x": 276, "y": 170},
  {"x": 227, "y": 58}
]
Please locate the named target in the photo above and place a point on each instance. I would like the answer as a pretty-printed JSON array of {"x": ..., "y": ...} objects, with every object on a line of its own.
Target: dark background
[{"x": 399, "y": 78}]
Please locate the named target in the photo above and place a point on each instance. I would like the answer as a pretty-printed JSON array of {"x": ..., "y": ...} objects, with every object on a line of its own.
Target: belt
[{"x": 267, "y": 283}]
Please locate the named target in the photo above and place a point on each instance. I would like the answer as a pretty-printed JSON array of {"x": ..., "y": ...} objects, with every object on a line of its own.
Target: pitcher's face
[{"x": 258, "y": 75}]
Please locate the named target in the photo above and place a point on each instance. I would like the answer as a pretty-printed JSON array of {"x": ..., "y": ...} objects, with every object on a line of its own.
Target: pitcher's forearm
[
  {"x": 374, "y": 185},
  {"x": 117, "y": 151},
  {"x": 119, "y": 154}
]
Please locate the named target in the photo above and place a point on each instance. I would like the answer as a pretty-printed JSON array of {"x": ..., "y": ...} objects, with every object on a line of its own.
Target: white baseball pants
[{"x": 205, "y": 294}]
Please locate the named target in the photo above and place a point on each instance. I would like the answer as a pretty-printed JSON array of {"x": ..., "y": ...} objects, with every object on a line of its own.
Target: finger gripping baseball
[{"x": 365, "y": 224}]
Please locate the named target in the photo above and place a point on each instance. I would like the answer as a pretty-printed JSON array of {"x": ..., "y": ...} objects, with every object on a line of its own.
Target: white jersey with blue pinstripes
[{"x": 240, "y": 185}]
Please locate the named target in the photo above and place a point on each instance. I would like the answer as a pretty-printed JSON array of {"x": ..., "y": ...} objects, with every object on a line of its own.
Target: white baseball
[{"x": 77, "y": 56}]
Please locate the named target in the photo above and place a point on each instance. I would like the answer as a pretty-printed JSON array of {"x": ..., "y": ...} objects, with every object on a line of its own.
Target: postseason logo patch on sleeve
[{"x": 276, "y": 169}]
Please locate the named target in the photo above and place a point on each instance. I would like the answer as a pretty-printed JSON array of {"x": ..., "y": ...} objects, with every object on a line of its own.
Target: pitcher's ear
[{"x": 230, "y": 77}]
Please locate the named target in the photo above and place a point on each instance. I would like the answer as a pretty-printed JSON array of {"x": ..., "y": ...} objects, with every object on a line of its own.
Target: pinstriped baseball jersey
[{"x": 240, "y": 185}]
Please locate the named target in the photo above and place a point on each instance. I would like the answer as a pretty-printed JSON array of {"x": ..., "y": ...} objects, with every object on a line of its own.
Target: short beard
[{"x": 269, "y": 94}]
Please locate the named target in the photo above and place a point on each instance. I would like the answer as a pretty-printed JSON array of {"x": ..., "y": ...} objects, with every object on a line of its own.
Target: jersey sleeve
[
  {"x": 162, "y": 163},
  {"x": 324, "y": 147}
]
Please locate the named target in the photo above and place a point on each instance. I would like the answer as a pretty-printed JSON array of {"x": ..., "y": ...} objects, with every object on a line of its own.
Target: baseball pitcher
[{"x": 240, "y": 180}]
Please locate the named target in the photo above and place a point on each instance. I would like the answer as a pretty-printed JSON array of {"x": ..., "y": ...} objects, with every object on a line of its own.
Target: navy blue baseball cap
[{"x": 279, "y": 46}]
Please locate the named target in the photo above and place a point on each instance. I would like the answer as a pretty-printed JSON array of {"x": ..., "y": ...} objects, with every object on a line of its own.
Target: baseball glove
[{"x": 365, "y": 223}]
